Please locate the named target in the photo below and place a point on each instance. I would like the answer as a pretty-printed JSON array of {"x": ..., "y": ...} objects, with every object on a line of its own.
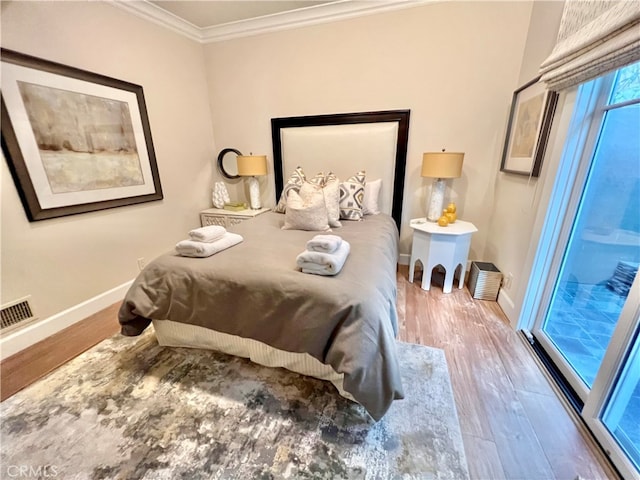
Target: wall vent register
[{"x": 16, "y": 313}]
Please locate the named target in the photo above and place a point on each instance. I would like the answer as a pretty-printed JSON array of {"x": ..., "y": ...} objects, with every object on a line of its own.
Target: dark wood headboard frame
[{"x": 400, "y": 116}]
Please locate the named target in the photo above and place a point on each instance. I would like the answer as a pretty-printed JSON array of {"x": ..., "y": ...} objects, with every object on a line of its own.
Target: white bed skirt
[{"x": 175, "y": 334}]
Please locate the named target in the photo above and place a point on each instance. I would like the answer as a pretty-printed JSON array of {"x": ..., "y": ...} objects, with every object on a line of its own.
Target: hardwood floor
[
  {"x": 33, "y": 363},
  {"x": 514, "y": 426}
]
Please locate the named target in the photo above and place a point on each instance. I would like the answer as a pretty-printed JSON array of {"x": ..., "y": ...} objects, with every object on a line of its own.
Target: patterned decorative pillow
[
  {"x": 306, "y": 211},
  {"x": 319, "y": 179},
  {"x": 352, "y": 197},
  {"x": 294, "y": 183}
]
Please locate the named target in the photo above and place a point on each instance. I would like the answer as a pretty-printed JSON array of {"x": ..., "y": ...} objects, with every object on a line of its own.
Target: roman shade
[{"x": 595, "y": 37}]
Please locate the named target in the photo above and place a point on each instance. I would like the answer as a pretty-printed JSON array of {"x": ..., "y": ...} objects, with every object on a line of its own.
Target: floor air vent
[{"x": 16, "y": 313}]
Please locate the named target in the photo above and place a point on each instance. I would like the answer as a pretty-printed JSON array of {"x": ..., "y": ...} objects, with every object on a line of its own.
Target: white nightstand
[
  {"x": 227, "y": 218},
  {"x": 435, "y": 245}
]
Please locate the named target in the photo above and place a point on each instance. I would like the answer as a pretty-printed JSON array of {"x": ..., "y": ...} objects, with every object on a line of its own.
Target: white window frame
[{"x": 581, "y": 118}]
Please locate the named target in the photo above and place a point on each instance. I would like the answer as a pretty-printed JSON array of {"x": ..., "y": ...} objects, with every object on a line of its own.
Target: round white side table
[{"x": 435, "y": 245}]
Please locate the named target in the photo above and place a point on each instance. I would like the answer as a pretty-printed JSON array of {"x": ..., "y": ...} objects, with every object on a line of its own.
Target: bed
[{"x": 253, "y": 301}]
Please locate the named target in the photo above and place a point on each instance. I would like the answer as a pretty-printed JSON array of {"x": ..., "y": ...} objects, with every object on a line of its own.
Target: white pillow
[
  {"x": 331, "y": 193},
  {"x": 306, "y": 211},
  {"x": 331, "y": 190},
  {"x": 371, "y": 196}
]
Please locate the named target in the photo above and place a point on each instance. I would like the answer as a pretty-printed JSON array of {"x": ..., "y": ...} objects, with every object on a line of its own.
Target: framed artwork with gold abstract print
[{"x": 75, "y": 141}]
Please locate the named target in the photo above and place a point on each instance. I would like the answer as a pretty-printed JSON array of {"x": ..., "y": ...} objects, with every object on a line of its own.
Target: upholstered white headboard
[{"x": 344, "y": 144}]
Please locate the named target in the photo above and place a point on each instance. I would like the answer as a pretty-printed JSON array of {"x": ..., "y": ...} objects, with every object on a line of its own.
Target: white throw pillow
[
  {"x": 331, "y": 191},
  {"x": 371, "y": 195},
  {"x": 352, "y": 196},
  {"x": 307, "y": 210}
]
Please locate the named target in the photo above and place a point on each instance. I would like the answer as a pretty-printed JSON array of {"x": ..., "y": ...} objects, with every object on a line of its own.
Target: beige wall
[
  {"x": 455, "y": 65},
  {"x": 517, "y": 198},
  {"x": 66, "y": 261}
]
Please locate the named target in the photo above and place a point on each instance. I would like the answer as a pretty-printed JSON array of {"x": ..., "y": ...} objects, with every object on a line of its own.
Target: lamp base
[
  {"x": 254, "y": 193},
  {"x": 436, "y": 201}
]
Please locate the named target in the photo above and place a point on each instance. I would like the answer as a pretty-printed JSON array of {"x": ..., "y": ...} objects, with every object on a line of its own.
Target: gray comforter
[{"x": 255, "y": 290}]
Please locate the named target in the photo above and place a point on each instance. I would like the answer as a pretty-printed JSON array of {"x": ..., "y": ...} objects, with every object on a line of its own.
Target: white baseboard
[
  {"x": 39, "y": 330},
  {"x": 508, "y": 307}
]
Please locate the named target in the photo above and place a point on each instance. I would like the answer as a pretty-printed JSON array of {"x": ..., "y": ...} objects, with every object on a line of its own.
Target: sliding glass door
[
  {"x": 588, "y": 321},
  {"x": 602, "y": 253},
  {"x": 612, "y": 409}
]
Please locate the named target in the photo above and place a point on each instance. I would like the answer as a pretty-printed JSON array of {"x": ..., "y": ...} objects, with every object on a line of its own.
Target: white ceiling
[
  {"x": 216, "y": 20},
  {"x": 205, "y": 14}
]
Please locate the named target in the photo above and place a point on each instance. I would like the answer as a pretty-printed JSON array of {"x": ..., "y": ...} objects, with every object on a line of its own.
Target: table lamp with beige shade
[
  {"x": 252, "y": 166},
  {"x": 440, "y": 166}
]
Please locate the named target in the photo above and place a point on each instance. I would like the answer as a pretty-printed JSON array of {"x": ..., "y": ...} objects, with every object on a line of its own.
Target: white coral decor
[{"x": 220, "y": 195}]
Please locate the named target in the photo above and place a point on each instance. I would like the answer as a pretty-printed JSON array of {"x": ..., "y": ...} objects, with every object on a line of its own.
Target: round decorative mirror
[{"x": 227, "y": 164}]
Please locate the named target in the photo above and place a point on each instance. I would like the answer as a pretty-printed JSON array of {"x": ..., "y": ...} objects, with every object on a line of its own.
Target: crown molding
[
  {"x": 313, "y": 15},
  {"x": 159, "y": 16}
]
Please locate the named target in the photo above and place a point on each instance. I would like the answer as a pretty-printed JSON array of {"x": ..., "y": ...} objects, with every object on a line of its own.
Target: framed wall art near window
[
  {"x": 75, "y": 141},
  {"x": 532, "y": 110}
]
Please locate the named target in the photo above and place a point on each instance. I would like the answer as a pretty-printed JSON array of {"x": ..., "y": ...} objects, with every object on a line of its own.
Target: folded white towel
[
  {"x": 190, "y": 248},
  {"x": 320, "y": 263},
  {"x": 207, "y": 234},
  {"x": 324, "y": 243}
]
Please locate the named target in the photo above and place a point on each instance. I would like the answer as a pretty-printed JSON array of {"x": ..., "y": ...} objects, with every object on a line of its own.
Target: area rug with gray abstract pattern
[{"x": 131, "y": 409}]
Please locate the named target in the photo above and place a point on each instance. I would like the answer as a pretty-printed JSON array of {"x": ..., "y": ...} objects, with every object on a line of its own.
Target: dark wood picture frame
[
  {"x": 530, "y": 119},
  {"x": 399, "y": 116},
  {"x": 25, "y": 152}
]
